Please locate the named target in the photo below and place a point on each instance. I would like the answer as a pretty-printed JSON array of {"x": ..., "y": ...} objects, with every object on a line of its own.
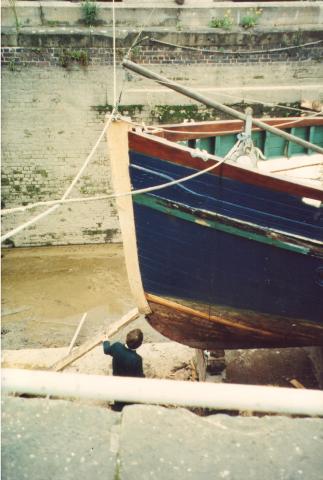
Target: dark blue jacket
[{"x": 125, "y": 362}]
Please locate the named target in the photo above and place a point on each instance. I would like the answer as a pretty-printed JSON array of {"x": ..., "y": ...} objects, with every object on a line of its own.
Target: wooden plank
[
  {"x": 117, "y": 136},
  {"x": 237, "y": 330},
  {"x": 283, "y": 163},
  {"x": 296, "y": 383},
  {"x": 93, "y": 342},
  {"x": 185, "y": 131},
  {"x": 177, "y": 307}
]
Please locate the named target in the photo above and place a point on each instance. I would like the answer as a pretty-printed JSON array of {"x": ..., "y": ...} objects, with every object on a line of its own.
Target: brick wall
[
  {"x": 48, "y": 130},
  {"x": 154, "y": 54},
  {"x": 54, "y": 98}
]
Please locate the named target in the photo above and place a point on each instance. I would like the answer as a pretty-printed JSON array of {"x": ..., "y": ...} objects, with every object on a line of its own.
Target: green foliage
[
  {"x": 135, "y": 52},
  {"x": 12, "y": 65},
  {"x": 179, "y": 113},
  {"x": 14, "y": 11},
  {"x": 42, "y": 172},
  {"x": 126, "y": 110},
  {"x": 251, "y": 19},
  {"x": 90, "y": 11},
  {"x": 54, "y": 23},
  {"x": 179, "y": 26},
  {"x": 224, "y": 22},
  {"x": 68, "y": 57},
  {"x": 33, "y": 189},
  {"x": 4, "y": 181}
]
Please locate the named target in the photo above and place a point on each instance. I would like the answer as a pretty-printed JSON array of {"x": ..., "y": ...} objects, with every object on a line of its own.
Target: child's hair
[{"x": 134, "y": 339}]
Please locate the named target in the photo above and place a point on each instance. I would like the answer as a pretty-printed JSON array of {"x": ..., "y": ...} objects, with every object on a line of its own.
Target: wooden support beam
[
  {"x": 70, "y": 348},
  {"x": 296, "y": 383},
  {"x": 93, "y": 342}
]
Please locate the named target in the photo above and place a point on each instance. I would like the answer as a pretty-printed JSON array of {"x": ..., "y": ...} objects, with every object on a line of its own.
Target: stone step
[{"x": 58, "y": 439}]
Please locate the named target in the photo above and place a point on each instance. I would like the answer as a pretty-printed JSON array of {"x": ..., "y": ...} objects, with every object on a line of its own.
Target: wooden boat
[{"x": 232, "y": 258}]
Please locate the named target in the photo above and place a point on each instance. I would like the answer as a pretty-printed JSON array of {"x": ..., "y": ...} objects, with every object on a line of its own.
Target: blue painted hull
[{"x": 208, "y": 242}]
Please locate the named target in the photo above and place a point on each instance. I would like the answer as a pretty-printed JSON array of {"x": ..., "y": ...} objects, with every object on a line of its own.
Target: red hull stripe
[{"x": 160, "y": 148}]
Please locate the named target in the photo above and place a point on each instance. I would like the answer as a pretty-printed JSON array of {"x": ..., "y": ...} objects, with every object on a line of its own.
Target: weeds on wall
[
  {"x": 90, "y": 13},
  {"x": 224, "y": 22},
  {"x": 69, "y": 57},
  {"x": 12, "y": 65},
  {"x": 247, "y": 21},
  {"x": 251, "y": 19},
  {"x": 14, "y": 10}
]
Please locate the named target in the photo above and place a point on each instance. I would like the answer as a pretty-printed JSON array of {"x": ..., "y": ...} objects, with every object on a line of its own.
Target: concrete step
[{"x": 166, "y": 14}]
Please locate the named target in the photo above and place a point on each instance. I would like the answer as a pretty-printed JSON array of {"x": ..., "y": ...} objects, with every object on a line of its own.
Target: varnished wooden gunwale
[
  {"x": 164, "y": 149},
  {"x": 189, "y": 131},
  {"x": 210, "y": 331}
]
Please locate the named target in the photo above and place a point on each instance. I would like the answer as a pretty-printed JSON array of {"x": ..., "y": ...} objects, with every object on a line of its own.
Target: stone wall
[{"x": 57, "y": 86}]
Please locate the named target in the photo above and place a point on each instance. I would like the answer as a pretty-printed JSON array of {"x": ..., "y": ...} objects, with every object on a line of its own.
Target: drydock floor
[{"x": 46, "y": 290}]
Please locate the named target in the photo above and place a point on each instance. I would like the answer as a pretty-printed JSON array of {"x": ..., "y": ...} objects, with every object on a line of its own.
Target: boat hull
[
  {"x": 241, "y": 251},
  {"x": 232, "y": 330},
  {"x": 230, "y": 259}
]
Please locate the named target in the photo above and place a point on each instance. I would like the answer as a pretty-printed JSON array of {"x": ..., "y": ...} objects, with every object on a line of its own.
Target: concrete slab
[
  {"x": 162, "y": 443},
  {"x": 271, "y": 367},
  {"x": 160, "y": 360},
  {"x": 63, "y": 440},
  {"x": 169, "y": 14},
  {"x": 57, "y": 440}
]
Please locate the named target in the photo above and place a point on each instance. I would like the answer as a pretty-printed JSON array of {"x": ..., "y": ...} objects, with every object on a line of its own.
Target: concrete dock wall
[{"x": 191, "y": 14}]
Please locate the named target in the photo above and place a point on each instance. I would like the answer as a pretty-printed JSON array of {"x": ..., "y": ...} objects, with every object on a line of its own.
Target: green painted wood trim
[
  {"x": 223, "y": 144},
  {"x": 207, "y": 144},
  {"x": 158, "y": 204},
  {"x": 258, "y": 139},
  {"x": 274, "y": 145},
  {"x": 293, "y": 148},
  {"x": 316, "y": 136}
]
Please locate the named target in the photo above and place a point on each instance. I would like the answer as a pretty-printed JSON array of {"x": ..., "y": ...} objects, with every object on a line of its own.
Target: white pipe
[
  {"x": 77, "y": 331},
  {"x": 173, "y": 392}
]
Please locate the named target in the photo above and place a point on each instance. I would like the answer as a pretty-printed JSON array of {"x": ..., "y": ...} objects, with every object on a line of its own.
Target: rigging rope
[
  {"x": 114, "y": 56},
  {"x": 231, "y": 52}
]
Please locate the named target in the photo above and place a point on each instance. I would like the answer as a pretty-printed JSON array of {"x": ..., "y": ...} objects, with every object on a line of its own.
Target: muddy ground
[{"x": 46, "y": 290}]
